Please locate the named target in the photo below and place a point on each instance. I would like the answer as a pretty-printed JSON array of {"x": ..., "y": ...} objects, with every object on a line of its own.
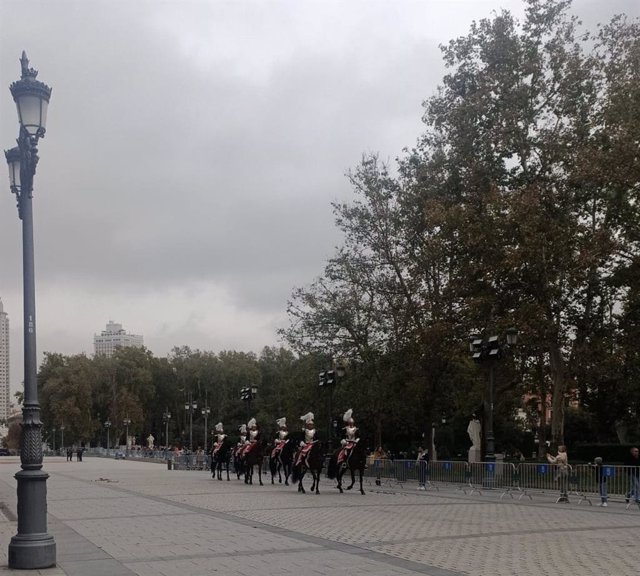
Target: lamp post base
[
  {"x": 32, "y": 547},
  {"x": 32, "y": 551}
]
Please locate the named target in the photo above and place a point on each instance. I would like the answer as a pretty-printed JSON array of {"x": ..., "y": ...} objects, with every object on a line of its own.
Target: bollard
[{"x": 168, "y": 464}]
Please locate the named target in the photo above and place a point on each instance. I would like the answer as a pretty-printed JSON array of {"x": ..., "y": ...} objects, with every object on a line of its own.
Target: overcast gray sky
[{"x": 193, "y": 149}]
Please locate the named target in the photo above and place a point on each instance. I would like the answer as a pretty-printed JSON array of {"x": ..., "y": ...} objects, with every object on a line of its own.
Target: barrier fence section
[
  {"x": 582, "y": 480},
  {"x": 585, "y": 481}
]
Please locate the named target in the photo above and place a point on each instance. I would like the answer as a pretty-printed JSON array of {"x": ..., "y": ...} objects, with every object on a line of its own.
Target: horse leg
[
  {"x": 361, "y": 471},
  {"x": 260, "y": 473},
  {"x": 316, "y": 481},
  {"x": 353, "y": 479},
  {"x": 339, "y": 479}
]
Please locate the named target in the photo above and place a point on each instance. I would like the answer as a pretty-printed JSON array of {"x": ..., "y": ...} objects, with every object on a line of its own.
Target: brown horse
[{"x": 312, "y": 462}]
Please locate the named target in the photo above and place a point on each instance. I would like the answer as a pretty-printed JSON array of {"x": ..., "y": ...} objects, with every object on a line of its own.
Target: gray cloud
[{"x": 193, "y": 150}]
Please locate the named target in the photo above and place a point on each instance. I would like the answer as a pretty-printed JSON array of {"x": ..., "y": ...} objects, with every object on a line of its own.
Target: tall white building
[
  {"x": 113, "y": 337},
  {"x": 4, "y": 365}
]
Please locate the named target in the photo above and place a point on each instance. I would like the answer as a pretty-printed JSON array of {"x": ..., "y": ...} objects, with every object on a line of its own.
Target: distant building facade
[
  {"x": 112, "y": 337},
  {"x": 5, "y": 403}
]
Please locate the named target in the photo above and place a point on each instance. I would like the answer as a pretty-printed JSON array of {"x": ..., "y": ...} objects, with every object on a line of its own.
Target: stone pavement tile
[
  {"x": 599, "y": 552},
  {"x": 322, "y": 562}
]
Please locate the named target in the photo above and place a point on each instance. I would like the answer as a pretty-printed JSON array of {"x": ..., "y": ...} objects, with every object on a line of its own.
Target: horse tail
[{"x": 332, "y": 468}]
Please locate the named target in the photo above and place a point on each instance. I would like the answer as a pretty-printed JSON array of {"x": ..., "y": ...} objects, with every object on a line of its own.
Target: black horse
[
  {"x": 357, "y": 460},
  {"x": 254, "y": 457},
  {"x": 238, "y": 463},
  {"x": 221, "y": 457},
  {"x": 282, "y": 462},
  {"x": 312, "y": 462}
]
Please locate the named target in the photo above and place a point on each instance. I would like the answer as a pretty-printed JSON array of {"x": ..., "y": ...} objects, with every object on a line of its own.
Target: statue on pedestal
[
  {"x": 475, "y": 431},
  {"x": 150, "y": 440}
]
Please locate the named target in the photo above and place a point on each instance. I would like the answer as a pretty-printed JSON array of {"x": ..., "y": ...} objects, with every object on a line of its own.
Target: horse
[
  {"x": 254, "y": 457},
  {"x": 219, "y": 458},
  {"x": 238, "y": 463},
  {"x": 313, "y": 462},
  {"x": 357, "y": 460},
  {"x": 282, "y": 462}
]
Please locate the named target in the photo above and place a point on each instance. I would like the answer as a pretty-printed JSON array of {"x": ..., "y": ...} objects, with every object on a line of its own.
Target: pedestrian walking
[
  {"x": 422, "y": 462},
  {"x": 561, "y": 460},
  {"x": 633, "y": 465}
]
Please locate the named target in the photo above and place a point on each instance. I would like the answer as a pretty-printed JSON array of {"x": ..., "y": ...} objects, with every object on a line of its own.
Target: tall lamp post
[
  {"x": 54, "y": 439},
  {"x": 107, "y": 426},
  {"x": 62, "y": 436},
  {"x": 32, "y": 547},
  {"x": 205, "y": 412},
  {"x": 489, "y": 350},
  {"x": 328, "y": 379},
  {"x": 166, "y": 418},
  {"x": 190, "y": 406},
  {"x": 248, "y": 394},
  {"x": 127, "y": 423}
]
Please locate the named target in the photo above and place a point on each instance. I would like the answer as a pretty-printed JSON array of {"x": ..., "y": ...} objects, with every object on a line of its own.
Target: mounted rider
[
  {"x": 351, "y": 439},
  {"x": 220, "y": 437},
  {"x": 254, "y": 437},
  {"x": 240, "y": 446},
  {"x": 309, "y": 437},
  {"x": 282, "y": 438}
]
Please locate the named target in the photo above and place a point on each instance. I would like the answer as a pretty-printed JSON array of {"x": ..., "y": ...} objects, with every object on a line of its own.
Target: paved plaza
[{"x": 117, "y": 518}]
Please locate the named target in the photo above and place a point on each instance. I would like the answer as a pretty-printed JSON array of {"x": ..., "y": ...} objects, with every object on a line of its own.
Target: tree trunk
[
  {"x": 556, "y": 363},
  {"x": 542, "y": 388}
]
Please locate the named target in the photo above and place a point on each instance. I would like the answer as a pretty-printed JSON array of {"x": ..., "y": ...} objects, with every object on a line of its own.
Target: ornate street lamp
[
  {"x": 62, "y": 436},
  {"x": 32, "y": 547}
]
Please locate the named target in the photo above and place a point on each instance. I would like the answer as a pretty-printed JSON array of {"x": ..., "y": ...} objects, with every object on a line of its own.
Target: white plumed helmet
[
  {"x": 252, "y": 423},
  {"x": 219, "y": 427},
  {"x": 243, "y": 429},
  {"x": 281, "y": 422},
  {"x": 308, "y": 417},
  {"x": 347, "y": 415}
]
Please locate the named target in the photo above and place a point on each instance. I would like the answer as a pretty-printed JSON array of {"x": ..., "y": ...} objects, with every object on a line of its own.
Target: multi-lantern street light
[
  {"x": 328, "y": 379},
  {"x": 32, "y": 547},
  {"x": 247, "y": 394},
  {"x": 490, "y": 350}
]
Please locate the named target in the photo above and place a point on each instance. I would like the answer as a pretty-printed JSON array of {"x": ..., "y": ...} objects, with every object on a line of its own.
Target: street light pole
[
  {"x": 190, "y": 406},
  {"x": 248, "y": 394},
  {"x": 54, "y": 440},
  {"x": 107, "y": 425},
  {"x": 126, "y": 423},
  {"x": 166, "y": 416},
  {"x": 32, "y": 547},
  {"x": 62, "y": 436},
  {"x": 205, "y": 412},
  {"x": 490, "y": 350},
  {"x": 329, "y": 379}
]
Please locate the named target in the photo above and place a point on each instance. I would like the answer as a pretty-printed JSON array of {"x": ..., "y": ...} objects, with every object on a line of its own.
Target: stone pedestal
[{"x": 475, "y": 455}]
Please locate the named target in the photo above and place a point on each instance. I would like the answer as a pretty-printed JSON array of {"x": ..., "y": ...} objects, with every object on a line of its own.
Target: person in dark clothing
[
  {"x": 602, "y": 481},
  {"x": 633, "y": 463}
]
